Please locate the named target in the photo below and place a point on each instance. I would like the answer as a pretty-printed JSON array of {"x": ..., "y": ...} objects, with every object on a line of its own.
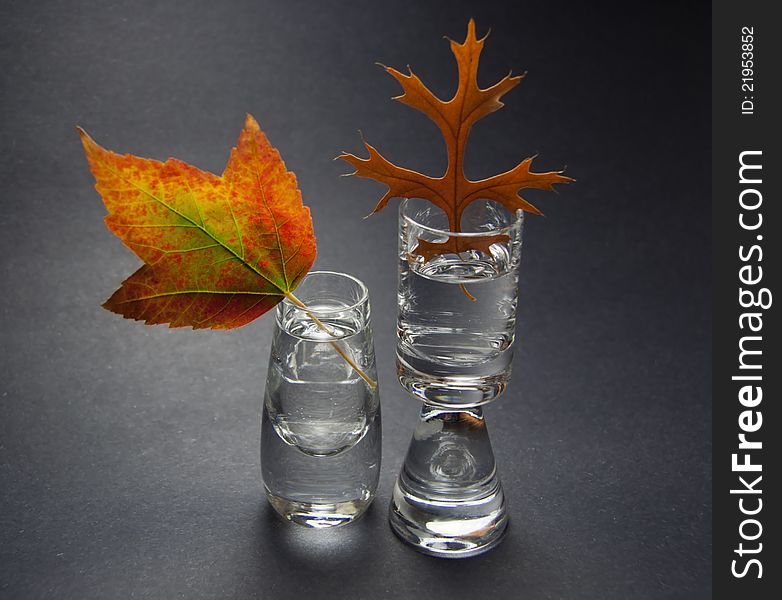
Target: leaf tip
[
  {"x": 85, "y": 138},
  {"x": 112, "y": 307},
  {"x": 250, "y": 122},
  {"x": 471, "y": 35},
  {"x": 363, "y": 139}
]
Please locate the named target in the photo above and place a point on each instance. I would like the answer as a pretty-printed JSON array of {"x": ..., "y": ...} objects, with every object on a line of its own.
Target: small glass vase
[
  {"x": 455, "y": 335},
  {"x": 456, "y": 317},
  {"x": 320, "y": 429}
]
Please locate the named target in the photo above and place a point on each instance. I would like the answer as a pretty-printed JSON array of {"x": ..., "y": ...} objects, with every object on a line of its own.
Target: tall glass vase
[
  {"x": 320, "y": 429},
  {"x": 456, "y": 329}
]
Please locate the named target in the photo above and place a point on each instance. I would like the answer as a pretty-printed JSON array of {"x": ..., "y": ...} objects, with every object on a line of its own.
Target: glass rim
[
  {"x": 363, "y": 290},
  {"x": 518, "y": 218}
]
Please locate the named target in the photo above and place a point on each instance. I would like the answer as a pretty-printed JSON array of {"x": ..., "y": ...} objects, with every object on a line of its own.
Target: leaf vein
[
  {"x": 183, "y": 292},
  {"x": 175, "y": 211}
]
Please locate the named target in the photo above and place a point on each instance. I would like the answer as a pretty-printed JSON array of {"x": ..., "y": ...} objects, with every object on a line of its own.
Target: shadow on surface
[{"x": 346, "y": 559}]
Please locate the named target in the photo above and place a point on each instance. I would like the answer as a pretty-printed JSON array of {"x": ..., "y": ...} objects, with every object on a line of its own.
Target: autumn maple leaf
[
  {"x": 453, "y": 192},
  {"x": 218, "y": 251}
]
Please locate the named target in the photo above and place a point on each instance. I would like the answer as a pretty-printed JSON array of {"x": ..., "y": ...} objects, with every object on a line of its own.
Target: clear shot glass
[
  {"x": 320, "y": 429},
  {"x": 456, "y": 317}
]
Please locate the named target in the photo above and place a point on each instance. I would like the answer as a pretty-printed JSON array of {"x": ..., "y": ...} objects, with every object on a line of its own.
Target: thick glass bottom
[
  {"x": 455, "y": 391},
  {"x": 319, "y": 515},
  {"x": 453, "y": 528}
]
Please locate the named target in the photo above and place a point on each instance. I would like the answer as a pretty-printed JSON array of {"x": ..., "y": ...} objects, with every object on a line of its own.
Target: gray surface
[{"x": 129, "y": 454}]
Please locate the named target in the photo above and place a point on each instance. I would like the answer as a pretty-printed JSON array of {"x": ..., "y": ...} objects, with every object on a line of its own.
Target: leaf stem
[
  {"x": 467, "y": 292},
  {"x": 334, "y": 343}
]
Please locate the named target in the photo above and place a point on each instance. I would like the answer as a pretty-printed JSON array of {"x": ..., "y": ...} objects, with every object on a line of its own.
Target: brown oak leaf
[{"x": 453, "y": 192}]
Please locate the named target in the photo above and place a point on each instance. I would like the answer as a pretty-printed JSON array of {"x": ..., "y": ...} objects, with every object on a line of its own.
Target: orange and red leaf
[{"x": 218, "y": 251}]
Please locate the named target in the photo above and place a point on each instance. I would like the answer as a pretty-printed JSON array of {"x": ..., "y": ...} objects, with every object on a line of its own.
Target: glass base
[
  {"x": 449, "y": 528},
  {"x": 318, "y": 515},
  {"x": 448, "y": 499},
  {"x": 457, "y": 391}
]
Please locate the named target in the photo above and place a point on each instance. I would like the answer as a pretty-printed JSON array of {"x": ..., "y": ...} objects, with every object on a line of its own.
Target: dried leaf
[
  {"x": 453, "y": 192},
  {"x": 218, "y": 251}
]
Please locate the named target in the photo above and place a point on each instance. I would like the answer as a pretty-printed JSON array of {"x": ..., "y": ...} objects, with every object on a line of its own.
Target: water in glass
[
  {"x": 320, "y": 437},
  {"x": 457, "y": 312}
]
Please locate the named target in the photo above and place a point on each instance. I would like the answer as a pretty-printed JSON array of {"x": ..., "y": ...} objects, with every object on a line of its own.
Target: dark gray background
[{"x": 129, "y": 454}]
